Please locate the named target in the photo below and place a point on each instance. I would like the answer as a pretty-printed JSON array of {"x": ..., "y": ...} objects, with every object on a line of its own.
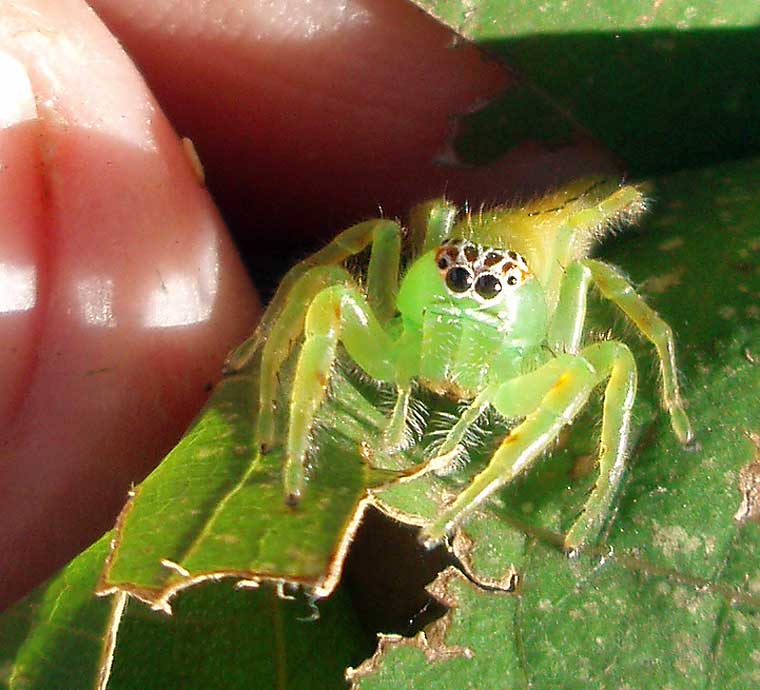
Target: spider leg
[
  {"x": 613, "y": 361},
  {"x": 350, "y": 242},
  {"x": 395, "y": 431},
  {"x": 283, "y": 334},
  {"x": 614, "y": 286},
  {"x": 339, "y": 313},
  {"x": 430, "y": 223},
  {"x": 555, "y": 393},
  {"x": 283, "y": 321},
  {"x": 382, "y": 288},
  {"x": 566, "y": 328},
  {"x": 585, "y": 222},
  {"x": 443, "y": 461},
  {"x": 382, "y": 272}
]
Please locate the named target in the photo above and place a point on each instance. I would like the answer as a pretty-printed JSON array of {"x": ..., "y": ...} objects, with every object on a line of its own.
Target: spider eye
[
  {"x": 512, "y": 280},
  {"x": 488, "y": 286},
  {"x": 459, "y": 279},
  {"x": 471, "y": 253},
  {"x": 492, "y": 258}
]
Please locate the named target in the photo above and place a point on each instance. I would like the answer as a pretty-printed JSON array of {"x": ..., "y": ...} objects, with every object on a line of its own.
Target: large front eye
[
  {"x": 459, "y": 279},
  {"x": 488, "y": 286}
]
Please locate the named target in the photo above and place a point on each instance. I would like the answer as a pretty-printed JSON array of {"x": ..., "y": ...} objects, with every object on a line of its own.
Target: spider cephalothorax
[
  {"x": 483, "y": 273},
  {"x": 476, "y": 321}
]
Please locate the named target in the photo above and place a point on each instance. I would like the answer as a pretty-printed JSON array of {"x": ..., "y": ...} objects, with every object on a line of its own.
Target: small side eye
[
  {"x": 459, "y": 279},
  {"x": 512, "y": 279},
  {"x": 488, "y": 286},
  {"x": 492, "y": 258},
  {"x": 471, "y": 253},
  {"x": 443, "y": 262}
]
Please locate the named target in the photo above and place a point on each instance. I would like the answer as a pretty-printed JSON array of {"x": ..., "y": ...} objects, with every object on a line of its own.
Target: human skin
[{"x": 120, "y": 290}]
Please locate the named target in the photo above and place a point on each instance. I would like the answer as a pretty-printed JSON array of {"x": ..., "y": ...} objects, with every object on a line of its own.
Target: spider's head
[{"x": 470, "y": 282}]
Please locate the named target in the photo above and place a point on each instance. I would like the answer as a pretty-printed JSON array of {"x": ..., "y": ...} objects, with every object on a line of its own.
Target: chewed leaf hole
[{"x": 386, "y": 573}]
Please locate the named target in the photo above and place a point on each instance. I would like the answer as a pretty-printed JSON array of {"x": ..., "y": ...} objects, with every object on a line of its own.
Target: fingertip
[
  {"x": 17, "y": 104},
  {"x": 21, "y": 228},
  {"x": 133, "y": 293},
  {"x": 341, "y": 106}
]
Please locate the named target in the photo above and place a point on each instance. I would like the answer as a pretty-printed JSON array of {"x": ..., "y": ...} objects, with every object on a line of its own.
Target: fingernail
[{"x": 16, "y": 97}]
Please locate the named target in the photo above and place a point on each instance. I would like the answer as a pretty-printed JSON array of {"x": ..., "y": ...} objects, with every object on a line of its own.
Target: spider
[{"x": 490, "y": 311}]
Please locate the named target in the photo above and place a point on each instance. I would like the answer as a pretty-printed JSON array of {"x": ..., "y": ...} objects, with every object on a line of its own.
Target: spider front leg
[
  {"x": 626, "y": 202},
  {"x": 342, "y": 314},
  {"x": 614, "y": 286},
  {"x": 566, "y": 328},
  {"x": 283, "y": 322},
  {"x": 612, "y": 361},
  {"x": 282, "y": 335},
  {"x": 429, "y": 224},
  {"x": 443, "y": 461},
  {"x": 565, "y": 333},
  {"x": 553, "y": 395}
]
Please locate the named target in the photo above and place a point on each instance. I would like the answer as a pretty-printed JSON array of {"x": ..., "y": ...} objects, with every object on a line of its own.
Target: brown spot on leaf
[
  {"x": 582, "y": 466},
  {"x": 662, "y": 283},
  {"x": 672, "y": 243},
  {"x": 749, "y": 486}
]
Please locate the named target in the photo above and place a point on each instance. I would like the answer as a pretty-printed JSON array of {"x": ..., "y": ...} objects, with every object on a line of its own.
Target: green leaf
[
  {"x": 671, "y": 598},
  {"x": 664, "y": 85},
  {"x": 237, "y": 639},
  {"x": 215, "y": 506},
  {"x": 62, "y": 637},
  {"x": 58, "y": 637}
]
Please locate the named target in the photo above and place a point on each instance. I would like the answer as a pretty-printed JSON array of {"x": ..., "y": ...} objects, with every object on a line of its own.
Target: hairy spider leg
[
  {"x": 284, "y": 320},
  {"x": 614, "y": 286},
  {"x": 430, "y": 224},
  {"x": 346, "y": 244},
  {"x": 383, "y": 270},
  {"x": 566, "y": 327},
  {"x": 282, "y": 335},
  {"x": 521, "y": 396},
  {"x": 342, "y": 314},
  {"x": 565, "y": 334},
  {"x": 616, "y": 361},
  {"x": 574, "y": 240},
  {"x": 394, "y": 436},
  {"x": 612, "y": 361},
  {"x": 382, "y": 290},
  {"x": 551, "y": 397},
  {"x": 446, "y": 454}
]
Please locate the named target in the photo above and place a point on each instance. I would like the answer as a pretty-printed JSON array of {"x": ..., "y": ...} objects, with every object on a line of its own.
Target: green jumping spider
[{"x": 490, "y": 311}]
